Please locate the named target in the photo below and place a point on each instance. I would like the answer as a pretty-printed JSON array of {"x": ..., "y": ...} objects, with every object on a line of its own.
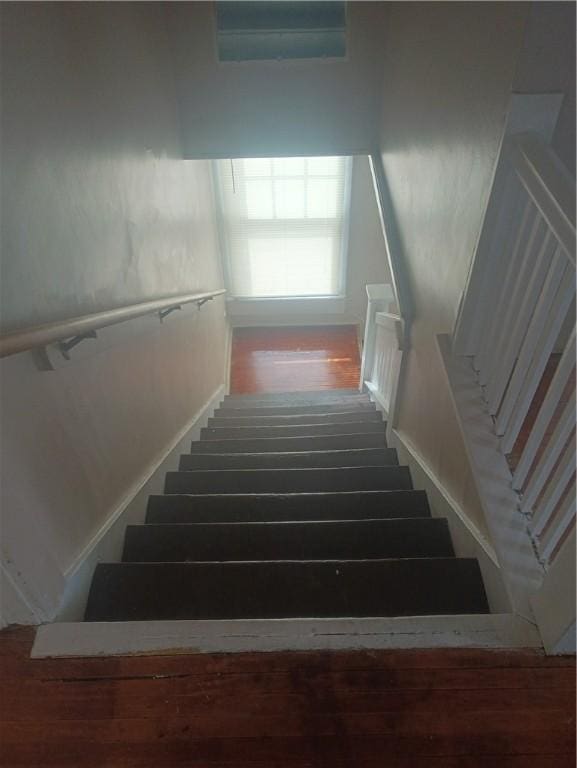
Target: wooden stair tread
[
  {"x": 294, "y": 430},
  {"x": 328, "y": 540},
  {"x": 182, "y": 508},
  {"x": 288, "y": 420},
  {"x": 392, "y": 587},
  {"x": 294, "y": 459},
  {"x": 288, "y": 480},
  {"x": 290, "y": 444}
]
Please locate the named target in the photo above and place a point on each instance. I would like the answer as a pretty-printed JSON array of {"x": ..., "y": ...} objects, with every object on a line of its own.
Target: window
[
  {"x": 252, "y": 31},
  {"x": 283, "y": 223}
]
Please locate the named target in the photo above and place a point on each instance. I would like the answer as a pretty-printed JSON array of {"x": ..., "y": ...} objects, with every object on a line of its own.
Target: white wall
[
  {"x": 98, "y": 209},
  {"x": 448, "y": 74},
  {"x": 277, "y": 108},
  {"x": 547, "y": 65}
]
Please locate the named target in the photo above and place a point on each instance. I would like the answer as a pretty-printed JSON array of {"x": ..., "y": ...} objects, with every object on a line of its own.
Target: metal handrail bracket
[{"x": 69, "y": 333}]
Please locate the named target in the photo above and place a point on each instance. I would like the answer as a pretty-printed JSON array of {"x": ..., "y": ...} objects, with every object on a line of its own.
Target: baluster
[
  {"x": 539, "y": 477},
  {"x": 504, "y": 210},
  {"x": 553, "y": 492},
  {"x": 498, "y": 370},
  {"x": 550, "y": 403},
  {"x": 536, "y": 349},
  {"x": 522, "y": 307},
  {"x": 550, "y": 539},
  {"x": 484, "y": 361}
]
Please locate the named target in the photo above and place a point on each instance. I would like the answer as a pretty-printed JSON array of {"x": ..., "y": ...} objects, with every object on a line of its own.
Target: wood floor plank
[
  {"x": 458, "y": 708},
  {"x": 297, "y": 359}
]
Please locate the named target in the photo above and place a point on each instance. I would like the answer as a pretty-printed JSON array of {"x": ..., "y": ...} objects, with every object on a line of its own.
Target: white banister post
[{"x": 379, "y": 295}]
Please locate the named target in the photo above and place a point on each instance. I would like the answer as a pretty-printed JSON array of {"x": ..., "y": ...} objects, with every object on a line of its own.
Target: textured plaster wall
[
  {"x": 547, "y": 65},
  {"x": 98, "y": 210},
  {"x": 448, "y": 74}
]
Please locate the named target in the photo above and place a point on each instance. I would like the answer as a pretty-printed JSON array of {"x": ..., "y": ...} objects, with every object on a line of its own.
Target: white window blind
[{"x": 283, "y": 224}]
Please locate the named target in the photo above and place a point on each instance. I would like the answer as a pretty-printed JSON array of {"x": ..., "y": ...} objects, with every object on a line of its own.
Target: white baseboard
[
  {"x": 468, "y": 540},
  {"x": 123, "y": 638},
  {"x": 15, "y": 607},
  {"x": 107, "y": 542}
]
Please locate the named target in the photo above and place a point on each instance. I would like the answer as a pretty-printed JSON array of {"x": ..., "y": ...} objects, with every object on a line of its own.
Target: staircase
[{"x": 290, "y": 505}]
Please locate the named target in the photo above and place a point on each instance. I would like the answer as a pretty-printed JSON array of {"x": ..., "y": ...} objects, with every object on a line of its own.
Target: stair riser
[
  {"x": 299, "y": 410},
  {"x": 130, "y": 591},
  {"x": 291, "y": 421},
  {"x": 362, "y": 458},
  {"x": 302, "y": 430},
  {"x": 291, "y": 444},
  {"x": 289, "y": 481},
  {"x": 273, "y": 508},
  {"x": 329, "y": 395},
  {"x": 361, "y": 540},
  {"x": 350, "y": 402}
]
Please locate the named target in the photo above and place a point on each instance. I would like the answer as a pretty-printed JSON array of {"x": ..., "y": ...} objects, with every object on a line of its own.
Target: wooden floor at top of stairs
[
  {"x": 393, "y": 709},
  {"x": 301, "y": 359}
]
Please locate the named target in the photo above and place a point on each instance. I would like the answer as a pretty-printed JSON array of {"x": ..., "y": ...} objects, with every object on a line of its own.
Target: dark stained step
[
  {"x": 363, "y": 457},
  {"x": 289, "y": 480},
  {"x": 329, "y": 540},
  {"x": 291, "y": 444},
  {"x": 301, "y": 430},
  {"x": 292, "y": 420},
  {"x": 350, "y": 505},
  {"x": 289, "y": 410},
  {"x": 169, "y": 591}
]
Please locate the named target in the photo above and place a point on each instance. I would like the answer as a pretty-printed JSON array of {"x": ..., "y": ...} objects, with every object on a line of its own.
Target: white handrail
[
  {"x": 397, "y": 268},
  {"x": 42, "y": 335}
]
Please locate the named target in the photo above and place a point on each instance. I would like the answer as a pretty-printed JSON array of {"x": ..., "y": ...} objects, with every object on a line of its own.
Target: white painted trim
[
  {"x": 232, "y": 636},
  {"x": 473, "y": 530},
  {"x": 15, "y": 607},
  {"x": 554, "y": 603},
  {"x": 106, "y": 542},
  {"x": 508, "y": 528},
  {"x": 468, "y": 540}
]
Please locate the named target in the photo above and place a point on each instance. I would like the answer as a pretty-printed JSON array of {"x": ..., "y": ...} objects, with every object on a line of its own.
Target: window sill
[{"x": 299, "y": 310}]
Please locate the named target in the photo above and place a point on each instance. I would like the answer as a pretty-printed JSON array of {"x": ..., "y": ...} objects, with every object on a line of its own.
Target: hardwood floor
[
  {"x": 385, "y": 709},
  {"x": 294, "y": 359}
]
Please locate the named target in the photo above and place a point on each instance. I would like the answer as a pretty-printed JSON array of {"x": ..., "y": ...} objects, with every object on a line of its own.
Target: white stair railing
[
  {"x": 389, "y": 313},
  {"x": 382, "y": 354},
  {"x": 517, "y": 319}
]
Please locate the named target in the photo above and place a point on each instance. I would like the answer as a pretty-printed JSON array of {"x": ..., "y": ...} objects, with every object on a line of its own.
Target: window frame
[{"x": 344, "y": 249}]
